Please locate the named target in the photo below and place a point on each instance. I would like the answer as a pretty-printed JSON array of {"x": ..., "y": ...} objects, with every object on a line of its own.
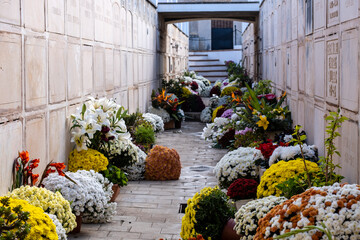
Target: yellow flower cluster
[
  {"x": 281, "y": 172},
  {"x": 185, "y": 92},
  {"x": 188, "y": 221},
  {"x": 227, "y": 91},
  {"x": 53, "y": 203},
  {"x": 42, "y": 227},
  {"x": 215, "y": 112},
  {"x": 87, "y": 160}
]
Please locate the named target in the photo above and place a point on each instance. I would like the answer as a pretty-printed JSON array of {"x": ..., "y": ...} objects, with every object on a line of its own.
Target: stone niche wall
[
  {"x": 174, "y": 51},
  {"x": 56, "y": 53},
  {"x": 311, "y": 50}
]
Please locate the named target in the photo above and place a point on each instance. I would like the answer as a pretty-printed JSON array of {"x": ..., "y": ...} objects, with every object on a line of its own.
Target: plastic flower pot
[
  {"x": 116, "y": 190},
  {"x": 78, "y": 224},
  {"x": 228, "y": 232}
]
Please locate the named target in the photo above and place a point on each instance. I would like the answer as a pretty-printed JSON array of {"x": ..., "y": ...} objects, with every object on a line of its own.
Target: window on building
[
  {"x": 309, "y": 16},
  {"x": 221, "y": 34}
]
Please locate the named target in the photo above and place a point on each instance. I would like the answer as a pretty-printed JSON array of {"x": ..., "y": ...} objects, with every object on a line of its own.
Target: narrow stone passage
[{"x": 150, "y": 209}]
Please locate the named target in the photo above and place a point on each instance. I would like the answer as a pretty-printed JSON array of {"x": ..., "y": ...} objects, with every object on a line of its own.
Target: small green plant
[
  {"x": 115, "y": 175},
  {"x": 299, "y": 139},
  {"x": 335, "y": 120},
  {"x": 13, "y": 223},
  {"x": 323, "y": 229},
  {"x": 144, "y": 134},
  {"x": 213, "y": 211}
]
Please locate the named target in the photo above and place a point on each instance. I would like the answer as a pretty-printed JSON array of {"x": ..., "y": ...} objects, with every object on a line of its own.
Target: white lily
[
  {"x": 80, "y": 141},
  {"x": 90, "y": 127}
]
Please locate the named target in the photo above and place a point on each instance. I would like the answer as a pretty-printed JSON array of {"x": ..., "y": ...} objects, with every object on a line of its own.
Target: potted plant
[
  {"x": 208, "y": 213},
  {"x": 117, "y": 177},
  {"x": 89, "y": 196}
]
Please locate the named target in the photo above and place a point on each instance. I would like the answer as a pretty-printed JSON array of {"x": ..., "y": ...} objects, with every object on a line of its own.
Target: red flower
[
  {"x": 267, "y": 149},
  {"x": 34, "y": 164},
  {"x": 34, "y": 178},
  {"x": 242, "y": 188}
]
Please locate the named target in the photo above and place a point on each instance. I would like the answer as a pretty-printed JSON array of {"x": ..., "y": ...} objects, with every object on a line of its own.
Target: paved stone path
[{"x": 148, "y": 210}]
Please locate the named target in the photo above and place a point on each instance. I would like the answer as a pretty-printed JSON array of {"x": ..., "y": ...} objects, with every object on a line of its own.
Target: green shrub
[
  {"x": 213, "y": 211},
  {"x": 144, "y": 134},
  {"x": 115, "y": 175}
]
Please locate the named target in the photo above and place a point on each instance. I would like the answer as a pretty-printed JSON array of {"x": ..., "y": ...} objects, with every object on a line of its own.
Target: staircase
[{"x": 211, "y": 69}]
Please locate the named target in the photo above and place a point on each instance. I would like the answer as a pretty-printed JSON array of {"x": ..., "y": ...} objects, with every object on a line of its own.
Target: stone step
[
  {"x": 198, "y": 57},
  {"x": 192, "y": 115},
  {"x": 212, "y": 73},
  {"x": 215, "y": 67},
  {"x": 197, "y": 54},
  {"x": 204, "y": 62},
  {"x": 213, "y": 79}
]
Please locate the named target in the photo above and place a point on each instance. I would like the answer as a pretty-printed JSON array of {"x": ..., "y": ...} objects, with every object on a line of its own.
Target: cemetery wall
[
  {"x": 311, "y": 50},
  {"x": 56, "y": 53}
]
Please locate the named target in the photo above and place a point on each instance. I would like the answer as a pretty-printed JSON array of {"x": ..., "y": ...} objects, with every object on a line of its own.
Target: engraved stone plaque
[
  {"x": 333, "y": 12},
  {"x": 332, "y": 70},
  {"x": 72, "y": 18},
  {"x": 55, "y": 14},
  {"x": 87, "y": 19}
]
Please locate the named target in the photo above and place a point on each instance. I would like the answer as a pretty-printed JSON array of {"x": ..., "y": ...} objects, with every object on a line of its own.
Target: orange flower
[
  {"x": 24, "y": 155},
  {"x": 235, "y": 98}
]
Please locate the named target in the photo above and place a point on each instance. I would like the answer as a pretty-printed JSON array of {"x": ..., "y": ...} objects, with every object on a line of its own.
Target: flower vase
[
  {"x": 78, "y": 224},
  {"x": 116, "y": 190},
  {"x": 169, "y": 125},
  {"x": 228, "y": 232}
]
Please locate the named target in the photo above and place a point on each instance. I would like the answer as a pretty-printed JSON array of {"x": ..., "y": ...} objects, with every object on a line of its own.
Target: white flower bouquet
[
  {"x": 137, "y": 170},
  {"x": 98, "y": 122},
  {"x": 336, "y": 206},
  {"x": 239, "y": 163},
  {"x": 90, "y": 195},
  {"x": 247, "y": 217},
  {"x": 165, "y": 116},
  {"x": 214, "y": 131},
  {"x": 121, "y": 153},
  {"x": 294, "y": 152},
  {"x": 206, "y": 115},
  {"x": 156, "y": 121}
]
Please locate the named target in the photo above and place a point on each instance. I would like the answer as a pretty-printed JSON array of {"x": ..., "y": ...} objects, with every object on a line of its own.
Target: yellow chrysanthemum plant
[
  {"x": 206, "y": 213},
  {"x": 281, "y": 172},
  {"x": 89, "y": 159},
  {"x": 215, "y": 112},
  {"x": 50, "y": 202},
  {"x": 41, "y": 225}
]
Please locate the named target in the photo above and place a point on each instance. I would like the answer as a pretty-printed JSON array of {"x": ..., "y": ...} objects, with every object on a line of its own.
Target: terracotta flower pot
[
  {"x": 116, "y": 190},
  {"x": 228, "y": 232},
  {"x": 78, "y": 224}
]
